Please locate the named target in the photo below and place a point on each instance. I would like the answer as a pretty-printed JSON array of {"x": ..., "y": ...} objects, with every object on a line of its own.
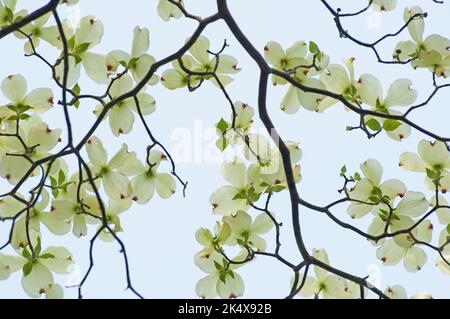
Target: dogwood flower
[
  {"x": 212, "y": 242},
  {"x": 167, "y": 10},
  {"x": 222, "y": 279},
  {"x": 400, "y": 93},
  {"x": 200, "y": 61},
  {"x": 247, "y": 233},
  {"x": 148, "y": 179},
  {"x": 7, "y": 15},
  {"x": 14, "y": 87},
  {"x": 324, "y": 284},
  {"x": 232, "y": 198},
  {"x": 340, "y": 81},
  {"x": 139, "y": 62},
  {"x": 86, "y": 36},
  {"x": 414, "y": 258},
  {"x": 303, "y": 69},
  {"x": 434, "y": 160},
  {"x": 403, "y": 246},
  {"x": 412, "y": 205},
  {"x": 268, "y": 163},
  {"x": 113, "y": 172},
  {"x": 282, "y": 60},
  {"x": 431, "y": 52},
  {"x": 36, "y": 31},
  {"x": 38, "y": 215},
  {"x": 121, "y": 117},
  {"x": 69, "y": 209},
  {"x": 176, "y": 78},
  {"x": 370, "y": 190},
  {"x": 113, "y": 210},
  {"x": 37, "y": 270},
  {"x": 242, "y": 125},
  {"x": 38, "y": 138}
]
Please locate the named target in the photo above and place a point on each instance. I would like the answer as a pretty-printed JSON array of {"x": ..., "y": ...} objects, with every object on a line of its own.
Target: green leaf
[
  {"x": 264, "y": 184},
  {"x": 391, "y": 125},
  {"x": 350, "y": 93},
  {"x": 24, "y": 116},
  {"x": 313, "y": 47},
  {"x": 374, "y": 199},
  {"x": 132, "y": 63},
  {"x": 76, "y": 89},
  {"x": 77, "y": 104},
  {"x": 61, "y": 177},
  {"x": 222, "y": 144},
  {"x": 222, "y": 126},
  {"x": 223, "y": 276},
  {"x": 77, "y": 59},
  {"x": 71, "y": 43},
  {"x": 80, "y": 49},
  {"x": 47, "y": 256},
  {"x": 378, "y": 103},
  {"x": 123, "y": 63},
  {"x": 22, "y": 108},
  {"x": 278, "y": 188},
  {"x": 343, "y": 170},
  {"x": 217, "y": 265},
  {"x": 431, "y": 174},
  {"x": 252, "y": 195},
  {"x": 377, "y": 192},
  {"x": 13, "y": 108},
  {"x": 357, "y": 177},
  {"x": 448, "y": 228},
  {"x": 9, "y": 15},
  {"x": 27, "y": 268},
  {"x": 53, "y": 181},
  {"x": 26, "y": 253},
  {"x": 38, "y": 247},
  {"x": 383, "y": 214},
  {"x": 373, "y": 124},
  {"x": 240, "y": 195}
]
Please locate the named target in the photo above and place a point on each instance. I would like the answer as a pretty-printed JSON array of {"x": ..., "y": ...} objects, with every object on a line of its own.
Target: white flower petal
[
  {"x": 372, "y": 170},
  {"x": 165, "y": 185},
  {"x": 38, "y": 281},
  {"x": 411, "y": 162},
  {"x": 413, "y": 204},
  {"x": 415, "y": 258},
  {"x": 400, "y": 93},
  {"x": 14, "y": 87},
  {"x": 434, "y": 154},
  {"x": 143, "y": 188},
  {"x": 235, "y": 173},
  {"x": 61, "y": 261},
  {"x": 40, "y": 100},
  {"x": 141, "y": 41},
  {"x": 390, "y": 253},
  {"x": 370, "y": 89}
]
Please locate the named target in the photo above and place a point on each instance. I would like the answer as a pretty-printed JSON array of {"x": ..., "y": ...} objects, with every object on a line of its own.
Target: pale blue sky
[{"x": 160, "y": 236}]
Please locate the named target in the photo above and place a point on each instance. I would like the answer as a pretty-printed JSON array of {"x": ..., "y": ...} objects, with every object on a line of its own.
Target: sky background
[{"x": 159, "y": 236}]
